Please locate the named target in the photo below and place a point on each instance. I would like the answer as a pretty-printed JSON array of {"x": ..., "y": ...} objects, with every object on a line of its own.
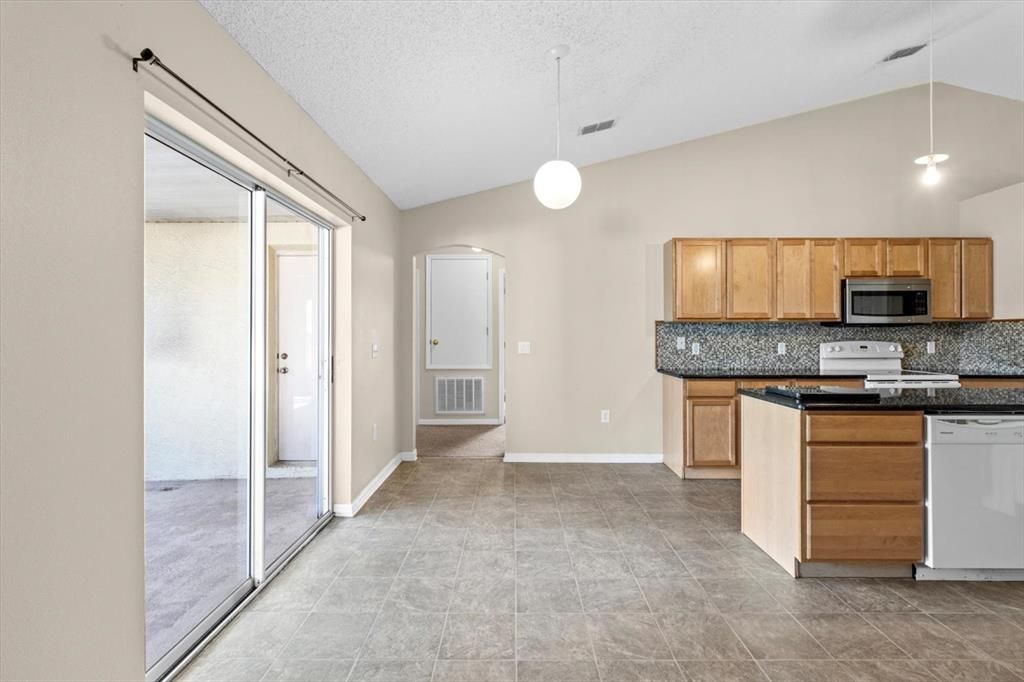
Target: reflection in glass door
[
  {"x": 197, "y": 397},
  {"x": 295, "y": 379},
  {"x": 237, "y": 379}
]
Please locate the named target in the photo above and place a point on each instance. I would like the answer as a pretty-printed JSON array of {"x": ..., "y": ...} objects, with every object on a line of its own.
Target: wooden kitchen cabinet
[
  {"x": 700, "y": 427},
  {"x": 793, "y": 286},
  {"x": 697, "y": 281},
  {"x": 711, "y": 432},
  {"x": 832, "y": 486},
  {"x": 944, "y": 265},
  {"x": 906, "y": 257},
  {"x": 809, "y": 279},
  {"x": 750, "y": 279},
  {"x": 976, "y": 279},
  {"x": 864, "y": 257},
  {"x": 826, "y": 279}
]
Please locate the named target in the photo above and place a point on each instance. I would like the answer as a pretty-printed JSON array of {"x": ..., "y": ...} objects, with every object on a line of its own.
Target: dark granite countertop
[
  {"x": 930, "y": 401},
  {"x": 731, "y": 373}
]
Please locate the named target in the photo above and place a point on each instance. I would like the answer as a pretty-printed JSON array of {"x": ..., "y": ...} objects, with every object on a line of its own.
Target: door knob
[
  {"x": 434, "y": 342},
  {"x": 283, "y": 370}
]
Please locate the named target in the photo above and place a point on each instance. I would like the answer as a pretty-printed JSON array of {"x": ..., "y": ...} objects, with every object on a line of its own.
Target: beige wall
[
  {"x": 1000, "y": 215},
  {"x": 586, "y": 282},
  {"x": 71, "y": 305},
  {"x": 426, "y": 376}
]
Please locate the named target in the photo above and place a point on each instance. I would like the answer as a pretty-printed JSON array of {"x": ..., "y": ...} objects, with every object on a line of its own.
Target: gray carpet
[
  {"x": 197, "y": 546},
  {"x": 465, "y": 442}
]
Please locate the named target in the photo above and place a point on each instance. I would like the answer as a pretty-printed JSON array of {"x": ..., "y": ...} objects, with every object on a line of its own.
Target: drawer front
[
  {"x": 992, "y": 383},
  {"x": 710, "y": 388},
  {"x": 864, "y": 532},
  {"x": 825, "y": 381},
  {"x": 865, "y": 427},
  {"x": 877, "y": 473}
]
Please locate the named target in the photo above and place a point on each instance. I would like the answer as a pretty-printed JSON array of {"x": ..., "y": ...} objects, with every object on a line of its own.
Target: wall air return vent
[
  {"x": 903, "y": 52},
  {"x": 597, "y": 127},
  {"x": 459, "y": 395}
]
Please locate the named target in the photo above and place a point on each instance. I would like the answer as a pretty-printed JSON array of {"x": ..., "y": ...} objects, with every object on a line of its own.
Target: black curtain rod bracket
[{"x": 148, "y": 57}]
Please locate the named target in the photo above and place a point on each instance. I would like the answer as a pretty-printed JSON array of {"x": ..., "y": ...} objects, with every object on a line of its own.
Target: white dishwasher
[{"x": 974, "y": 498}]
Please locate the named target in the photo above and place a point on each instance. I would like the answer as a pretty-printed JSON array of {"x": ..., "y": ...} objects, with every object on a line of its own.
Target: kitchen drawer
[
  {"x": 864, "y": 532},
  {"x": 992, "y": 383},
  {"x": 878, "y": 473},
  {"x": 864, "y": 427},
  {"x": 715, "y": 388}
]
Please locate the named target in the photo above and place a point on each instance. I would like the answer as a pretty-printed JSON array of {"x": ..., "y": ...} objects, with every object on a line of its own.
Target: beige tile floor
[{"x": 479, "y": 570}]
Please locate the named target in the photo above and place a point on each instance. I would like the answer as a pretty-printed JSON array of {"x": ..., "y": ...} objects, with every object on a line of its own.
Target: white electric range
[{"x": 881, "y": 363}]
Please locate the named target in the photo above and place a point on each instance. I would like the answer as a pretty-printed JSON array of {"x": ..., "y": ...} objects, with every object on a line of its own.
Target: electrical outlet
[
  {"x": 524, "y": 347},
  {"x": 931, "y": 346},
  {"x": 680, "y": 343},
  {"x": 606, "y": 416},
  {"x": 375, "y": 432},
  {"x": 781, "y": 348},
  {"x": 695, "y": 348}
]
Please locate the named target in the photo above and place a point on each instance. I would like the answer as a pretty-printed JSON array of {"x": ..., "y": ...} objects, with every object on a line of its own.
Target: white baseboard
[
  {"x": 350, "y": 510},
  {"x": 408, "y": 456},
  {"x": 461, "y": 422},
  {"x": 584, "y": 457}
]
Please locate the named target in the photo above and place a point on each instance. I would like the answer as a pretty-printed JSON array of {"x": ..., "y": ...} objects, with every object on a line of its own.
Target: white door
[
  {"x": 458, "y": 312},
  {"x": 297, "y": 348}
]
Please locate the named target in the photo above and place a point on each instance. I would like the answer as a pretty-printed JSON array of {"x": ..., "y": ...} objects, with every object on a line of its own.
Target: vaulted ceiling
[{"x": 440, "y": 99}]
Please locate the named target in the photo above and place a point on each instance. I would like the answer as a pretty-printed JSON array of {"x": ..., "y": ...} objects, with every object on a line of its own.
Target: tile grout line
[
  {"x": 576, "y": 581},
  {"x": 361, "y": 650}
]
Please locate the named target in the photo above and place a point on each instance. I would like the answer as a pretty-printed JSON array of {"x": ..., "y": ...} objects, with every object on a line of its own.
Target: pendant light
[
  {"x": 931, "y": 160},
  {"x": 557, "y": 183}
]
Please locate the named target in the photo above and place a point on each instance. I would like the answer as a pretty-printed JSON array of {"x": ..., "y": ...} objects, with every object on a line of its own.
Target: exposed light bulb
[{"x": 931, "y": 174}]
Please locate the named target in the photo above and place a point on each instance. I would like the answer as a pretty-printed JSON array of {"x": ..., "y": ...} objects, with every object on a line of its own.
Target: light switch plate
[
  {"x": 374, "y": 350},
  {"x": 680, "y": 343},
  {"x": 524, "y": 347},
  {"x": 606, "y": 416}
]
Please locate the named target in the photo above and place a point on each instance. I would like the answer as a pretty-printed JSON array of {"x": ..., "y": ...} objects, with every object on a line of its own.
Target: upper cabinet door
[
  {"x": 944, "y": 268},
  {"x": 906, "y": 258},
  {"x": 793, "y": 283},
  {"x": 826, "y": 279},
  {"x": 976, "y": 275},
  {"x": 699, "y": 272},
  {"x": 864, "y": 257},
  {"x": 750, "y": 279}
]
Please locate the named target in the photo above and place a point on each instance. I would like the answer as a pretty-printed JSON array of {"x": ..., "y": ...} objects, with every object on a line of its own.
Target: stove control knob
[
  {"x": 892, "y": 348},
  {"x": 835, "y": 349}
]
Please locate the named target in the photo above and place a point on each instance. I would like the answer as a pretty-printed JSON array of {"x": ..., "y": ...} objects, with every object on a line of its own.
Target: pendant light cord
[
  {"x": 558, "y": 107},
  {"x": 931, "y": 77}
]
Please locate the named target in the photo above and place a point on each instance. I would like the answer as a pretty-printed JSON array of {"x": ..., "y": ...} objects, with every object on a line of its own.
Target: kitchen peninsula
[{"x": 831, "y": 487}]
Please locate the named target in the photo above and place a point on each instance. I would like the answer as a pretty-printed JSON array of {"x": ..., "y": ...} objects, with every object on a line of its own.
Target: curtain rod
[{"x": 147, "y": 56}]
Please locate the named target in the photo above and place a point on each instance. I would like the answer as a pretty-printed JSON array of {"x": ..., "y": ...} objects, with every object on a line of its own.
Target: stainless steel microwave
[{"x": 887, "y": 300}]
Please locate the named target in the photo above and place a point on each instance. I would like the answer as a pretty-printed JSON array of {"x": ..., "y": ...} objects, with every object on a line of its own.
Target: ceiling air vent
[
  {"x": 597, "y": 127},
  {"x": 903, "y": 52}
]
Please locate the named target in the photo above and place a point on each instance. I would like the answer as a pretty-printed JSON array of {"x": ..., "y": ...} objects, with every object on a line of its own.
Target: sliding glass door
[
  {"x": 298, "y": 368},
  {"x": 237, "y": 403}
]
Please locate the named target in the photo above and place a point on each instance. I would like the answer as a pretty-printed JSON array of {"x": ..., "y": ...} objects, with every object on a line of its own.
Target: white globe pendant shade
[{"x": 557, "y": 184}]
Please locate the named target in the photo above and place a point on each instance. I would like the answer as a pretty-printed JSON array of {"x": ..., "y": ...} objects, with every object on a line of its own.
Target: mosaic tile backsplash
[{"x": 961, "y": 347}]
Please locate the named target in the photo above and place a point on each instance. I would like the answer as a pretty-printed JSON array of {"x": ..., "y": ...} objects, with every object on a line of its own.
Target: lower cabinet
[
  {"x": 711, "y": 436},
  {"x": 863, "y": 482}
]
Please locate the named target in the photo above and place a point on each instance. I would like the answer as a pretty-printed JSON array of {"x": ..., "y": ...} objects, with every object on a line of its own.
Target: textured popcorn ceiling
[{"x": 439, "y": 99}]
